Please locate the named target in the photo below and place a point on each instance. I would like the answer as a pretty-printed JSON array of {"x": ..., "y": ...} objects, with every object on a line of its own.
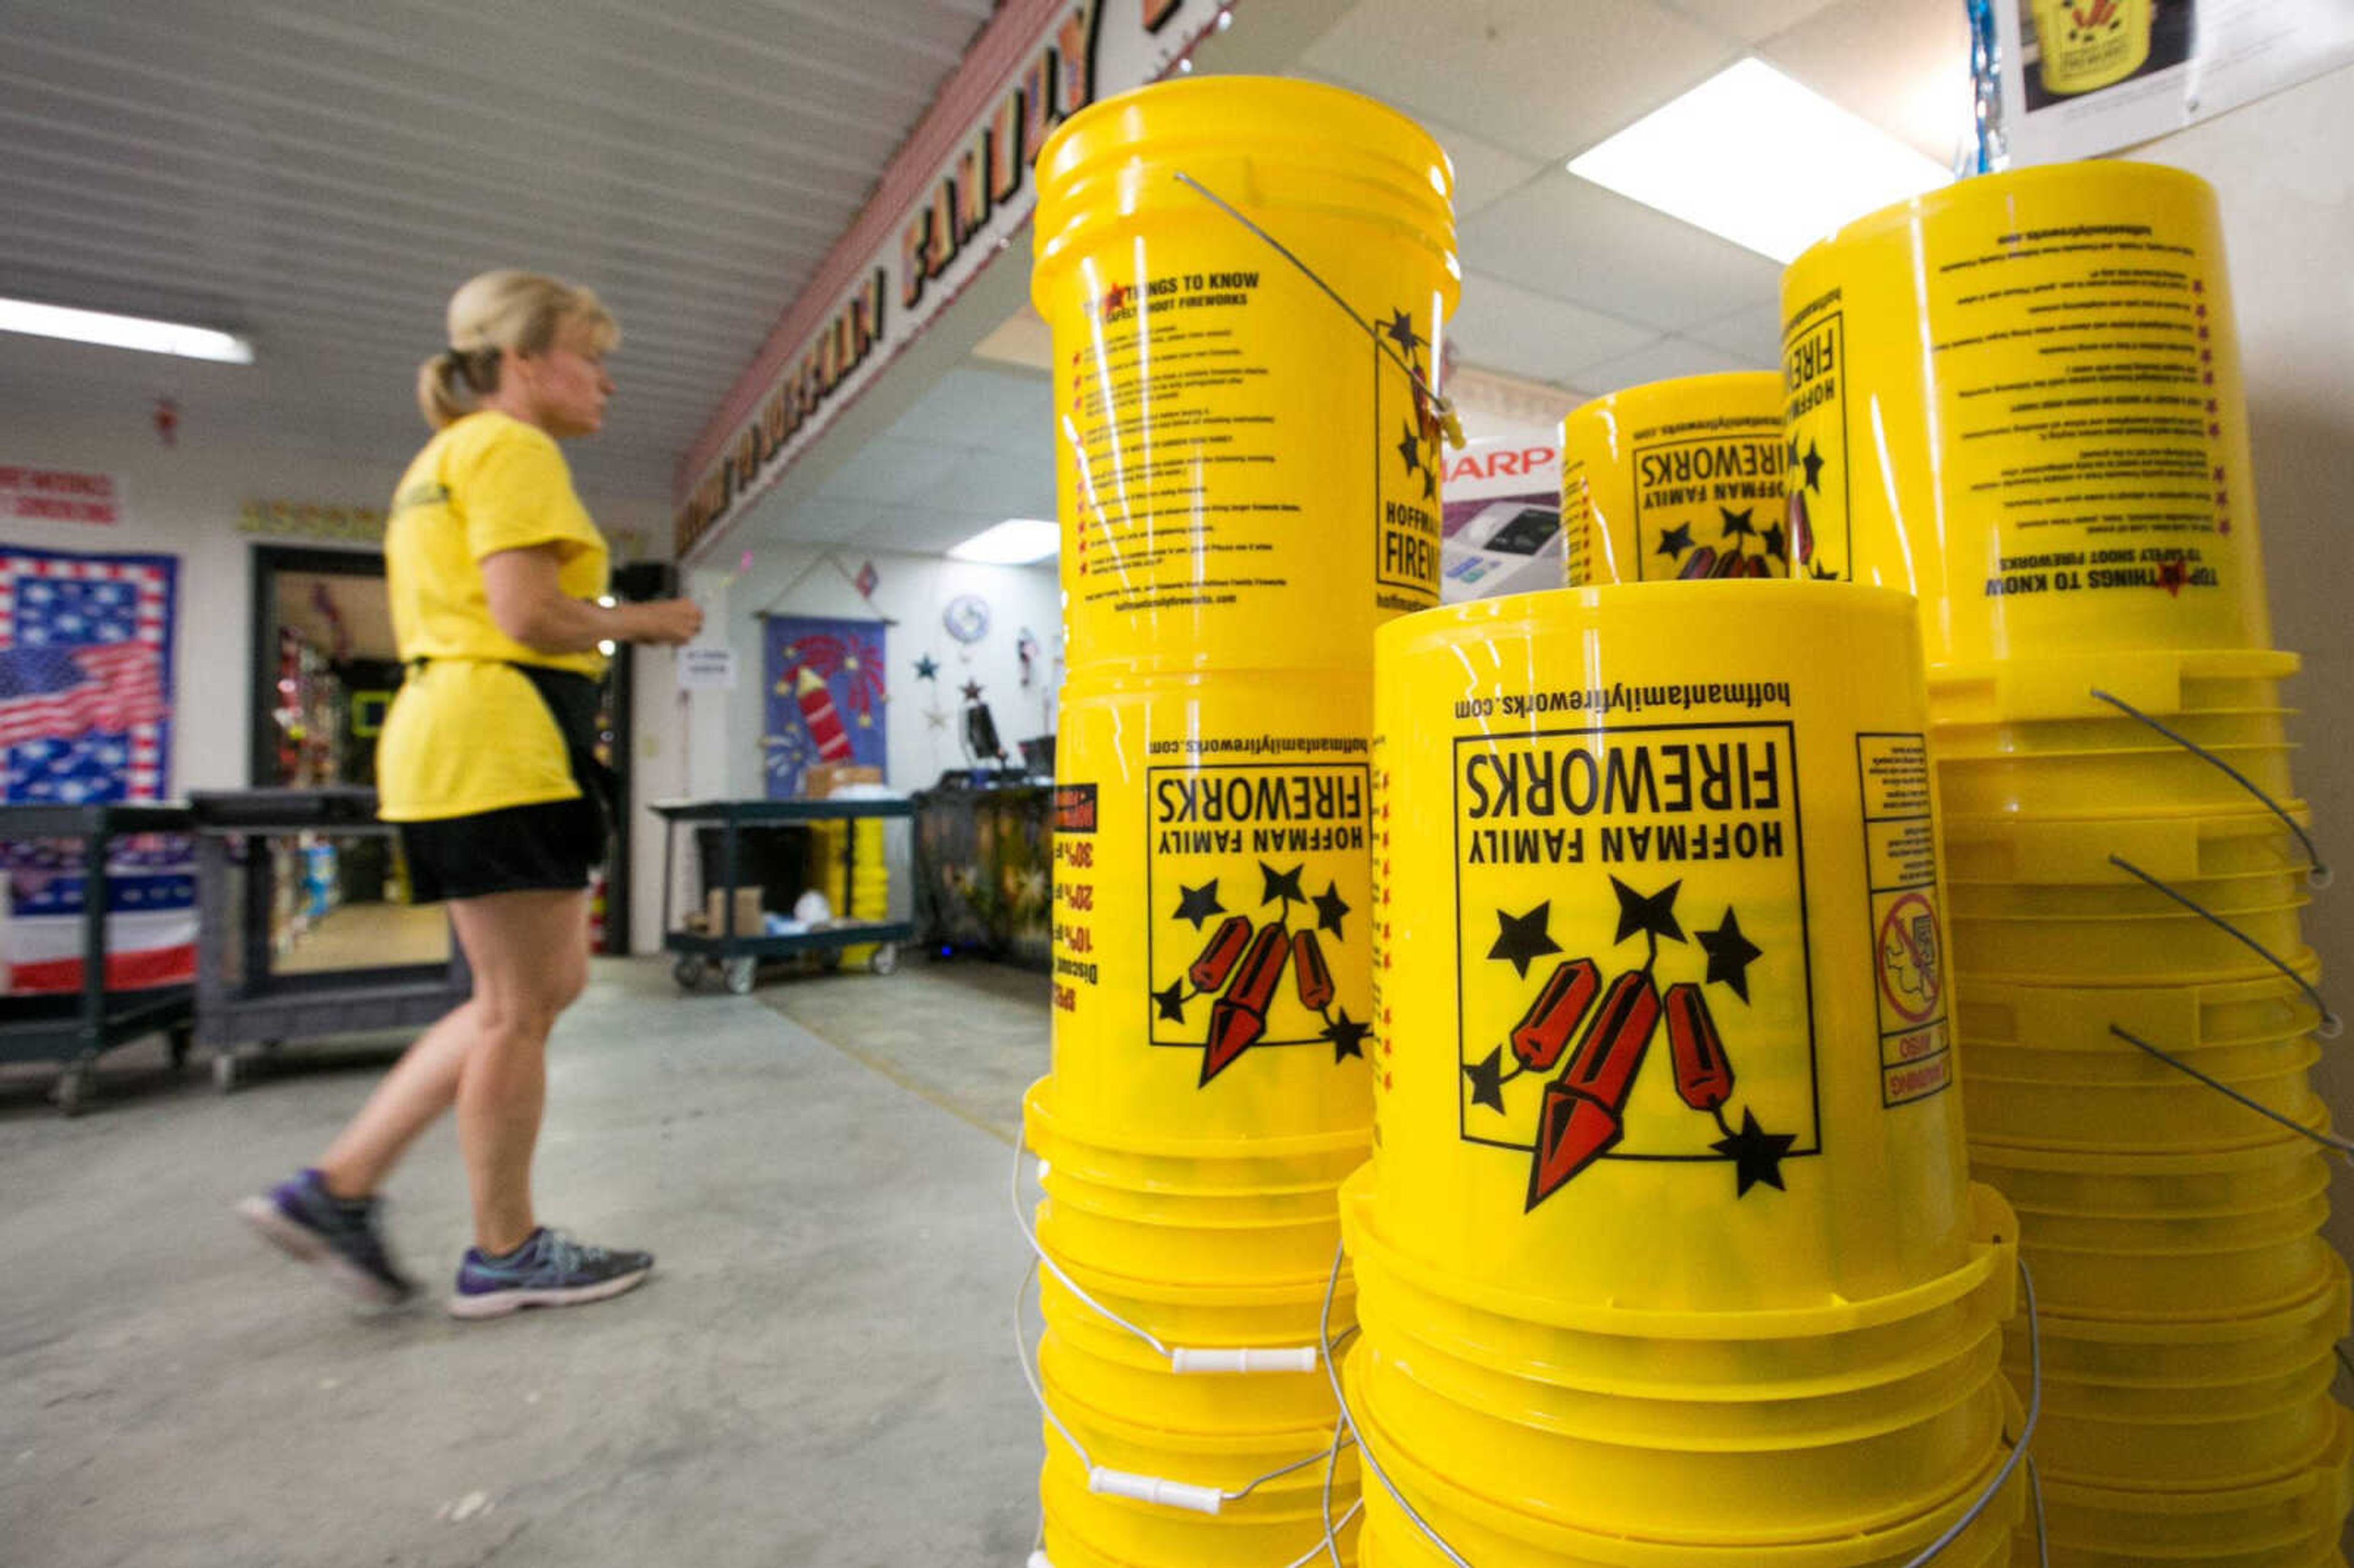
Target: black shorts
[{"x": 552, "y": 845}]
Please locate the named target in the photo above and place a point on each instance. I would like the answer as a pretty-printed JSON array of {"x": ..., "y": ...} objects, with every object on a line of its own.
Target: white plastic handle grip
[
  {"x": 1038, "y": 1560},
  {"x": 1153, "y": 1489},
  {"x": 1251, "y": 1358}
]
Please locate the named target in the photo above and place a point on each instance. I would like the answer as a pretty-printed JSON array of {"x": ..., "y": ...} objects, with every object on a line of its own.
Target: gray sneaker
[
  {"x": 342, "y": 1237},
  {"x": 550, "y": 1270}
]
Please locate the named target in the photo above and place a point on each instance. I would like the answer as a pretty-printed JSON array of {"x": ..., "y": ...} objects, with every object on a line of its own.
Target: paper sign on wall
[
  {"x": 706, "y": 669},
  {"x": 58, "y": 495}
]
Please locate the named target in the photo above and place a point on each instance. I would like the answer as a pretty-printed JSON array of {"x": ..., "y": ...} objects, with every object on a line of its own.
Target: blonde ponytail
[{"x": 494, "y": 314}]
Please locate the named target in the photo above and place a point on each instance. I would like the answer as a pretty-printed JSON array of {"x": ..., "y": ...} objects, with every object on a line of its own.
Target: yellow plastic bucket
[
  {"x": 2249, "y": 1276},
  {"x": 2159, "y": 779},
  {"x": 2318, "y": 1550},
  {"x": 2126, "y": 949},
  {"x": 2018, "y": 396},
  {"x": 1662, "y": 1028},
  {"x": 1675, "y": 481},
  {"x": 2004, "y": 850},
  {"x": 1312, "y": 1165},
  {"x": 1228, "y": 1461},
  {"x": 1213, "y": 910},
  {"x": 1496, "y": 1535},
  {"x": 1112, "y": 1370},
  {"x": 1116, "y": 1240},
  {"x": 2114, "y": 1064},
  {"x": 1218, "y": 1316},
  {"x": 2141, "y": 1439},
  {"x": 1093, "y": 1527},
  {"x": 2189, "y": 1354},
  {"x": 2231, "y": 895},
  {"x": 1236, "y": 488},
  {"x": 2261, "y": 727},
  {"x": 2154, "y": 1116},
  {"x": 2173, "y": 1017},
  {"x": 2202, "y": 1525},
  {"x": 2087, "y": 44},
  {"x": 2273, "y": 1169},
  {"x": 1693, "y": 1356},
  {"x": 2025, "y": 686}
]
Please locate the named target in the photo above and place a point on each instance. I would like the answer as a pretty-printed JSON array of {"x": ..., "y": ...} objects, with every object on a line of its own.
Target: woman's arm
[{"x": 528, "y": 606}]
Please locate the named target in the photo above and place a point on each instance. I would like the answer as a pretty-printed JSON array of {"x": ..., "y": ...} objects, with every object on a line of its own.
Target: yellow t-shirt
[{"x": 467, "y": 732}]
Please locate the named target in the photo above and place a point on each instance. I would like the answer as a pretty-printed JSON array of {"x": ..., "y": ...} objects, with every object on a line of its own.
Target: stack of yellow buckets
[
  {"x": 1248, "y": 488},
  {"x": 1667, "y": 1254},
  {"x": 2019, "y": 399}
]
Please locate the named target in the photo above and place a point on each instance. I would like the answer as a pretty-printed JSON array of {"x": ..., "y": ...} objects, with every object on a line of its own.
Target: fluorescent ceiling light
[
  {"x": 1016, "y": 542},
  {"x": 1752, "y": 155},
  {"x": 124, "y": 331}
]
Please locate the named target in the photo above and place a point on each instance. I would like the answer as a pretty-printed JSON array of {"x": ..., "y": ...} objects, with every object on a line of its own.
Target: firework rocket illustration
[
  {"x": 1613, "y": 1028},
  {"x": 1242, "y": 965}
]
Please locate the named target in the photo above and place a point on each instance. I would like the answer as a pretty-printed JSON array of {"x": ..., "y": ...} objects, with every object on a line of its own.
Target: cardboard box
[
  {"x": 747, "y": 911},
  {"x": 820, "y": 779}
]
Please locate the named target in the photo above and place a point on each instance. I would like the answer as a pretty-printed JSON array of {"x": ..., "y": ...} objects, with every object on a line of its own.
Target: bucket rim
[
  {"x": 1668, "y": 386},
  {"x": 1930, "y": 204},
  {"x": 1542, "y": 608},
  {"x": 2335, "y": 1298},
  {"x": 2336, "y": 1464},
  {"x": 1994, "y": 1231},
  {"x": 1037, "y": 1105}
]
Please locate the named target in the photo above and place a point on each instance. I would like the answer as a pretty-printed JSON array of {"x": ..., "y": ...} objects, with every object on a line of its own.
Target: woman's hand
[{"x": 663, "y": 620}]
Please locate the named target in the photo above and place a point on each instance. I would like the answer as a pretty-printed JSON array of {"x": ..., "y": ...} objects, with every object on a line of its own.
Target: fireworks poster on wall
[
  {"x": 86, "y": 717},
  {"x": 826, "y": 697}
]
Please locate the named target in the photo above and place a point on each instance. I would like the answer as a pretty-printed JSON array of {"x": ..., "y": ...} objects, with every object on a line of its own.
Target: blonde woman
[{"x": 486, "y": 763}]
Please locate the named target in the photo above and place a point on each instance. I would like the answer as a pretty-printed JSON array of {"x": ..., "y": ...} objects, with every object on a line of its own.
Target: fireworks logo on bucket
[
  {"x": 1814, "y": 470},
  {"x": 1615, "y": 888},
  {"x": 1256, "y": 876}
]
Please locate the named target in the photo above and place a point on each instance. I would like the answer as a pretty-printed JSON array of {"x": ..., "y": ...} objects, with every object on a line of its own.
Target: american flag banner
[{"x": 85, "y": 717}]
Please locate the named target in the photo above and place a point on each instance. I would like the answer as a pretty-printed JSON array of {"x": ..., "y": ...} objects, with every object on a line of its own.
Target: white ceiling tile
[
  {"x": 1569, "y": 239},
  {"x": 1542, "y": 79},
  {"x": 1670, "y": 356},
  {"x": 1483, "y": 170},
  {"x": 1749, "y": 20},
  {"x": 1903, "y": 67},
  {"x": 887, "y": 471},
  {"x": 1502, "y": 326},
  {"x": 1753, "y": 333}
]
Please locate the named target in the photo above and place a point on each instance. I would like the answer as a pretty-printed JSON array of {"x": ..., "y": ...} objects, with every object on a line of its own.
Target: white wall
[
  {"x": 914, "y": 590},
  {"x": 2281, "y": 170}
]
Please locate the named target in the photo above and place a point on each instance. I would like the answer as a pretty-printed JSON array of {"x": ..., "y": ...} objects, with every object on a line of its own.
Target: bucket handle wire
[
  {"x": 2317, "y": 872},
  {"x": 1182, "y": 1358},
  {"x": 1443, "y": 409},
  {"x": 1107, "y": 1482},
  {"x": 2344, "y": 1147},
  {"x": 2330, "y": 1027},
  {"x": 1368, "y": 1464}
]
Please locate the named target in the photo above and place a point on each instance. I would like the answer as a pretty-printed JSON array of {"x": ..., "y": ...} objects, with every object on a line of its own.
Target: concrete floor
[{"x": 820, "y": 1371}]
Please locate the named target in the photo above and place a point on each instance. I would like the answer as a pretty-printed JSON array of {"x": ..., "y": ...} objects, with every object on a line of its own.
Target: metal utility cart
[
  {"x": 738, "y": 954},
  {"x": 244, "y": 1010},
  {"x": 73, "y": 1031}
]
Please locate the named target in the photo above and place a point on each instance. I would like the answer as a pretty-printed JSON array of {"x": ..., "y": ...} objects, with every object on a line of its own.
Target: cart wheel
[
  {"x": 689, "y": 970},
  {"x": 178, "y": 1041},
  {"x": 739, "y": 973},
  {"x": 227, "y": 1072},
  {"x": 883, "y": 960},
  {"x": 74, "y": 1091}
]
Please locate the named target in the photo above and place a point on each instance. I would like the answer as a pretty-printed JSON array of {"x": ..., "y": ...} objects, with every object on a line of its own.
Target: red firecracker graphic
[
  {"x": 824, "y": 720},
  {"x": 1605, "y": 1034},
  {"x": 1242, "y": 965}
]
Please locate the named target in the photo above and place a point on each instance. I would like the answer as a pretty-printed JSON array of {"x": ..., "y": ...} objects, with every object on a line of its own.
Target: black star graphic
[
  {"x": 926, "y": 670},
  {"x": 1675, "y": 541},
  {"x": 1654, "y": 912},
  {"x": 1795, "y": 459},
  {"x": 1488, "y": 1080},
  {"x": 1756, "y": 1155},
  {"x": 1172, "y": 1002},
  {"x": 1329, "y": 910},
  {"x": 1400, "y": 331},
  {"x": 1429, "y": 484},
  {"x": 1283, "y": 884},
  {"x": 1822, "y": 573},
  {"x": 1198, "y": 904},
  {"x": 1347, "y": 1035},
  {"x": 1521, "y": 937},
  {"x": 1813, "y": 462},
  {"x": 972, "y": 691},
  {"x": 1737, "y": 524},
  {"x": 1409, "y": 449},
  {"x": 1728, "y": 954},
  {"x": 1777, "y": 543}
]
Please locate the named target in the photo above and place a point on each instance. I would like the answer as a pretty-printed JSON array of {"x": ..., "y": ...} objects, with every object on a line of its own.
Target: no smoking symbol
[{"x": 1910, "y": 976}]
